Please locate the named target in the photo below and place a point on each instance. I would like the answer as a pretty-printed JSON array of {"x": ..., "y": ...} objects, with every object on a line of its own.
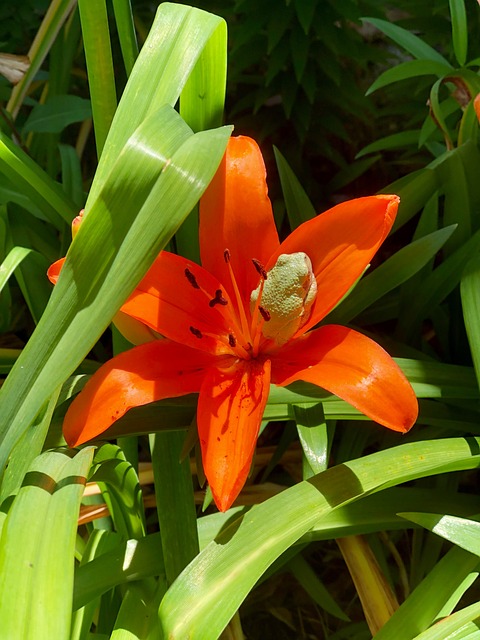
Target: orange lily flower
[{"x": 245, "y": 319}]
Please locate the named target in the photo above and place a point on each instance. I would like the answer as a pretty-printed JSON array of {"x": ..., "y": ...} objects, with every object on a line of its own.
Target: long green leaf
[
  {"x": 461, "y": 624},
  {"x": 437, "y": 286},
  {"x": 37, "y": 546},
  {"x": 157, "y": 179},
  {"x": 229, "y": 567},
  {"x": 389, "y": 275},
  {"x": 409, "y": 69},
  {"x": 446, "y": 583},
  {"x": 126, "y": 33},
  {"x": 410, "y": 42},
  {"x": 31, "y": 180},
  {"x": 470, "y": 292},
  {"x": 58, "y": 113},
  {"x": 101, "y": 78},
  {"x": 460, "y": 531},
  {"x": 57, "y": 13},
  {"x": 298, "y": 204},
  {"x": 176, "y": 40},
  {"x": 459, "y": 30}
]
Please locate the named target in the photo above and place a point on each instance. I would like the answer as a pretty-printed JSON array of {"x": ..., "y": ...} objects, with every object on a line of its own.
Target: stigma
[{"x": 286, "y": 296}]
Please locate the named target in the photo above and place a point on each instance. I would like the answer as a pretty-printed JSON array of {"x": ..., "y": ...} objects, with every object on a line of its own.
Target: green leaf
[
  {"x": 249, "y": 544},
  {"x": 176, "y": 40},
  {"x": 390, "y": 274},
  {"x": 25, "y": 174},
  {"x": 411, "y": 43},
  {"x": 137, "y": 617},
  {"x": 409, "y": 69},
  {"x": 129, "y": 561},
  {"x": 58, "y": 113},
  {"x": 157, "y": 179},
  {"x": 298, "y": 204},
  {"x": 460, "y": 531},
  {"x": 101, "y": 77},
  {"x": 72, "y": 174},
  {"x": 470, "y": 292},
  {"x": 457, "y": 209},
  {"x": 314, "y": 435},
  {"x": 436, "y": 287},
  {"x": 458, "y": 16},
  {"x": 175, "y": 502},
  {"x": 11, "y": 262},
  {"x": 352, "y": 172},
  {"x": 121, "y": 490},
  {"x": 461, "y": 624},
  {"x": 317, "y": 591},
  {"x": 37, "y": 546},
  {"x": 299, "y": 49},
  {"x": 446, "y": 583},
  {"x": 305, "y": 10},
  {"x": 394, "y": 141},
  {"x": 58, "y": 12},
  {"x": 437, "y": 113},
  {"x": 126, "y": 33}
]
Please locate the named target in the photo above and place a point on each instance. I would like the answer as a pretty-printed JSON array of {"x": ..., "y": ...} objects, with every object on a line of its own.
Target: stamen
[
  {"x": 260, "y": 268},
  {"x": 265, "y": 314},
  {"x": 218, "y": 299},
  {"x": 192, "y": 279},
  {"x": 256, "y": 326},
  {"x": 196, "y": 332},
  {"x": 241, "y": 309},
  {"x": 230, "y": 341}
]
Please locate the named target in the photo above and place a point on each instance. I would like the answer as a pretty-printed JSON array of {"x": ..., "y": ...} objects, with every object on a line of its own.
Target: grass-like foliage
[{"x": 328, "y": 524}]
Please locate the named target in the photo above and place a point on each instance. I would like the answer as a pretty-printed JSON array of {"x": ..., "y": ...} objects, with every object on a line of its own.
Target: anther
[
  {"x": 218, "y": 299},
  {"x": 260, "y": 268},
  {"x": 192, "y": 279},
  {"x": 231, "y": 340},
  {"x": 265, "y": 314},
  {"x": 196, "y": 332},
  {"x": 226, "y": 256}
]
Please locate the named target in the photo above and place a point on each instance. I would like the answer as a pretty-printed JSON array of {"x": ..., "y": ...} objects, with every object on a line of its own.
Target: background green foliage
[{"x": 354, "y": 106}]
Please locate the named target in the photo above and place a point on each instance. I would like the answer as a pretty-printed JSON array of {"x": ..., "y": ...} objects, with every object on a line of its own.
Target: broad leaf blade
[{"x": 37, "y": 546}]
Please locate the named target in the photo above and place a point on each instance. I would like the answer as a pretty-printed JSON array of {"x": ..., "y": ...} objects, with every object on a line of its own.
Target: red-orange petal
[
  {"x": 353, "y": 367},
  {"x": 177, "y": 305},
  {"x": 341, "y": 243},
  {"x": 54, "y": 270},
  {"x": 230, "y": 410},
  {"x": 236, "y": 214},
  {"x": 150, "y": 372}
]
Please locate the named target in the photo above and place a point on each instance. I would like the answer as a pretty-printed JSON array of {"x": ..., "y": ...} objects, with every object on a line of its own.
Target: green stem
[{"x": 175, "y": 502}]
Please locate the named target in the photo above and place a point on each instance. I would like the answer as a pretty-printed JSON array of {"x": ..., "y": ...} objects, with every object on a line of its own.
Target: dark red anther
[
  {"x": 260, "y": 268},
  {"x": 196, "y": 332},
  {"x": 226, "y": 256},
  {"x": 265, "y": 314},
  {"x": 218, "y": 299},
  {"x": 231, "y": 340},
  {"x": 191, "y": 278}
]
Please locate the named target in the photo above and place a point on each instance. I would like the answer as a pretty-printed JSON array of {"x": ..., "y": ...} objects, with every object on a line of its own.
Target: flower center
[{"x": 287, "y": 296}]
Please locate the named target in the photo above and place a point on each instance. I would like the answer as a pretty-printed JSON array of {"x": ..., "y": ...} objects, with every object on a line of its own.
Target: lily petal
[
  {"x": 236, "y": 214},
  {"x": 354, "y": 368},
  {"x": 54, "y": 270},
  {"x": 230, "y": 409},
  {"x": 150, "y": 372},
  {"x": 168, "y": 302},
  {"x": 340, "y": 243}
]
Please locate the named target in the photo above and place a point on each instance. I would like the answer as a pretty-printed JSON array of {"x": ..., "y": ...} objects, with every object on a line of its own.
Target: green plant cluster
[{"x": 113, "y": 97}]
